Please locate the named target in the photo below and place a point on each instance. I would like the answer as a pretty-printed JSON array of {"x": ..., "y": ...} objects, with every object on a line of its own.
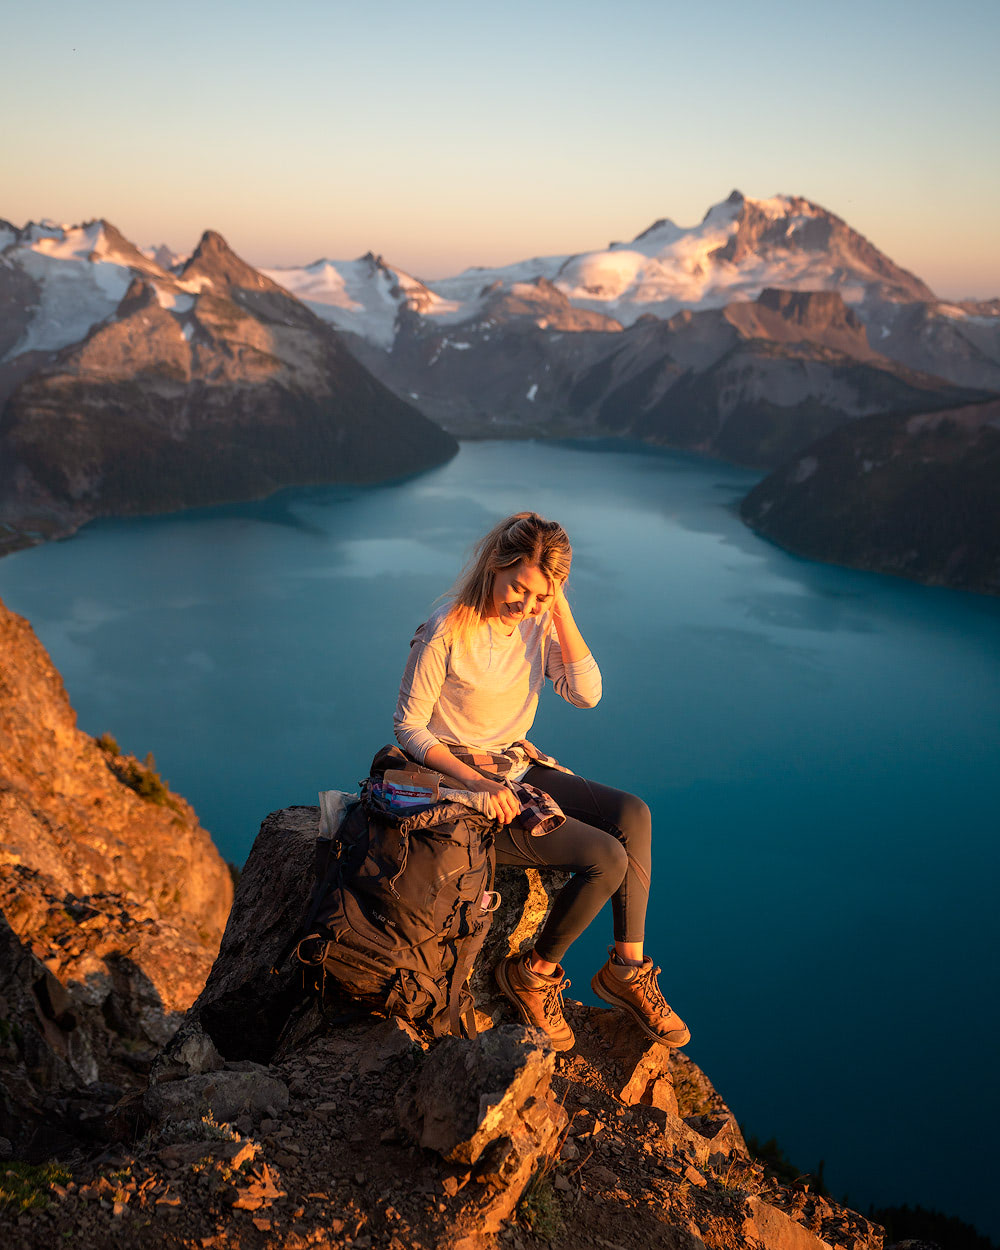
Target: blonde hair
[{"x": 523, "y": 536}]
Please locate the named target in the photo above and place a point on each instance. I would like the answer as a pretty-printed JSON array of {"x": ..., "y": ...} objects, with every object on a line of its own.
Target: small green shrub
[
  {"x": 108, "y": 744},
  {"x": 24, "y": 1186},
  {"x": 539, "y": 1207},
  {"x": 144, "y": 780}
]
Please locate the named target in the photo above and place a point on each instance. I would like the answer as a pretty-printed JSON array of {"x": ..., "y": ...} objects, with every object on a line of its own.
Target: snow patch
[
  {"x": 532, "y": 392},
  {"x": 75, "y": 244},
  {"x": 195, "y": 285},
  {"x": 36, "y": 230},
  {"x": 774, "y": 206},
  {"x": 74, "y": 295},
  {"x": 804, "y": 470},
  {"x": 173, "y": 301}
]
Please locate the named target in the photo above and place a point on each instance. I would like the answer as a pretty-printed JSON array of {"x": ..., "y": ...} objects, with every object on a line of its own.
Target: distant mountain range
[
  {"x": 135, "y": 380},
  {"x": 129, "y": 388},
  {"x": 741, "y": 248}
]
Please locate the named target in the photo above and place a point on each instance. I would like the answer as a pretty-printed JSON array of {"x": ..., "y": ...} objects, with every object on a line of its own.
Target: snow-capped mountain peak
[
  {"x": 79, "y": 274},
  {"x": 365, "y": 295}
]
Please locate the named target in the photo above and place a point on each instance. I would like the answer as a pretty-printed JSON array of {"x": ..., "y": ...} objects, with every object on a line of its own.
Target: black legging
[{"x": 605, "y": 843}]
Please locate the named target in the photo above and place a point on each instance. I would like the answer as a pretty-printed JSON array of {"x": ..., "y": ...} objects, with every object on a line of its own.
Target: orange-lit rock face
[{"x": 66, "y": 817}]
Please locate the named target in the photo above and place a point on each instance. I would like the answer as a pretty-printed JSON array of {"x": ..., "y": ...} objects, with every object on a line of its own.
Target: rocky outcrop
[
  {"x": 66, "y": 812},
  {"x": 210, "y": 385},
  {"x": 112, "y": 901},
  {"x": 254, "y": 988},
  {"x": 364, "y": 1129},
  {"x": 913, "y": 496}
]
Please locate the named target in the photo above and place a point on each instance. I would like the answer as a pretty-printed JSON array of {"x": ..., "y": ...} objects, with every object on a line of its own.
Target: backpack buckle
[{"x": 491, "y": 901}]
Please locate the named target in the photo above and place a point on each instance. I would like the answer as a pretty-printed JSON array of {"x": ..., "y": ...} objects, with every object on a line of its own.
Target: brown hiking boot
[
  {"x": 538, "y": 998},
  {"x": 636, "y": 989}
]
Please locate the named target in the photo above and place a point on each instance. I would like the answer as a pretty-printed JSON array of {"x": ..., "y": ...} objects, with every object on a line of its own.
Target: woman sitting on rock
[{"x": 466, "y": 703}]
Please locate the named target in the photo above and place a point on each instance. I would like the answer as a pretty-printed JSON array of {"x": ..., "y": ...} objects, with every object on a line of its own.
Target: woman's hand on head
[
  {"x": 502, "y": 799},
  {"x": 559, "y": 601}
]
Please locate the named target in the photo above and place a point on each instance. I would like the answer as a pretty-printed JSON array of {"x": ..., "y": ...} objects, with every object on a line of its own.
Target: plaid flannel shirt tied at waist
[{"x": 540, "y": 813}]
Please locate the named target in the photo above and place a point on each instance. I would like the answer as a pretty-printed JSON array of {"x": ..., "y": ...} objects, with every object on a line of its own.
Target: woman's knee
[
  {"x": 636, "y": 823},
  {"x": 611, "y": 862}
]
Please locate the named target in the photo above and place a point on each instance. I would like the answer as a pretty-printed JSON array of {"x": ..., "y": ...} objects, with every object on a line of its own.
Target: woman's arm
[
  {"x": 505, "y": 805},
  {"x": 571, "y": 641},
  {"x": 570, "y": 666}
]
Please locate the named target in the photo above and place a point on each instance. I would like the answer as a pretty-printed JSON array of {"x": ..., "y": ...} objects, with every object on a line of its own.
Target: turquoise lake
[{"x": 819, "y": 748}]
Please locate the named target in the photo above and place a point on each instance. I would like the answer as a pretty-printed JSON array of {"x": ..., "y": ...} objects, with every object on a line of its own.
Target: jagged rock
[
  {"x": 389, "y": 1039},
  {"x": 196, "y": 1054},
  {"x": 244, "y": 1005},
  {"x": 66, "y": 814},
  {"x": 337, "y": 1151},
  {"x": 468, "y": 1093},
  {"x": 487, "y": 1105},
  {"x": 226, "y": 1095},
  {"x": 647, "y": 1074},
  {"x": 777, "y": 1231},
  {"x": 111, "y": 908},
  {"x": 643, "y": 1067}
]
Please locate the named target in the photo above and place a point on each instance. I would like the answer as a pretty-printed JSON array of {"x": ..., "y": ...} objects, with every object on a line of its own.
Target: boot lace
[
  {"x": 552, "y": 1002},
  {"x": 651, "y": 990}
]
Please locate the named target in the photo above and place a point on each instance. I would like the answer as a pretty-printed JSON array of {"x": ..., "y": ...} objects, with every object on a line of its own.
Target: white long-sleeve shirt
[{"x": 484, "y": 692}]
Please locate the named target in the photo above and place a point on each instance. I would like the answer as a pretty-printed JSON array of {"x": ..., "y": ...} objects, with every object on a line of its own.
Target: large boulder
[
  {"x": 251, "y": 988},
  {"x": 487, "y": 1106}
]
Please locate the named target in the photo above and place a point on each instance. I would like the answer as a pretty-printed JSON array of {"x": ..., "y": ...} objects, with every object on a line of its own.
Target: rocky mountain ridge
[
  {"x": 752, "y": 382},
  {"x": 590, "y": 344},
  {"x": 205, "y": 386}
]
